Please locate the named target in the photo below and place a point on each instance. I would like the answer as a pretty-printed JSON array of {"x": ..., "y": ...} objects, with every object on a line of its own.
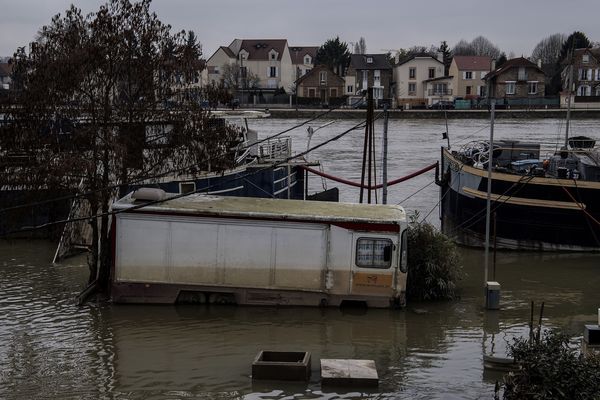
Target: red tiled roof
[
  {"x": 473, "y": 63},
  {"x": 258, "y": 49},
  {"x": 298, "y": 52}
]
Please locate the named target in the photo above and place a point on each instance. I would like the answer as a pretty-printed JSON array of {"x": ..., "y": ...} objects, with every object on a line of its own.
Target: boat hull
[{"x": 528, "y": 213}]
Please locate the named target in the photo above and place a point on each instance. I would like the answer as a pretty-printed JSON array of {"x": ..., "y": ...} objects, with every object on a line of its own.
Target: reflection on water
[{"x": 50, "y": 348}]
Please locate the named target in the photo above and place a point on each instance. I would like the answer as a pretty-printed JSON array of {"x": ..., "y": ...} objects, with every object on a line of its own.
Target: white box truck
[{"x": 255, "y": 251}]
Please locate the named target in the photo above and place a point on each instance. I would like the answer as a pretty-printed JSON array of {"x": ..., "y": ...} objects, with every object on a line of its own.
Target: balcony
[{"x": 439, "y": 92}]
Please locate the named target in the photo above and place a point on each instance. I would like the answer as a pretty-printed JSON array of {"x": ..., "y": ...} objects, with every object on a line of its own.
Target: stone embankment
[{"x": 435, "y": 114}]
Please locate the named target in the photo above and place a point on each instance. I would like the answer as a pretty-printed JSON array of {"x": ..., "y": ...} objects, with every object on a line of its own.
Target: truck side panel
[{"x": 220, "y": 252}]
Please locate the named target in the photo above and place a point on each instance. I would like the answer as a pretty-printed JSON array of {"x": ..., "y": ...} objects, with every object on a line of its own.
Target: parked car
[{"x": 441, "y": 105}]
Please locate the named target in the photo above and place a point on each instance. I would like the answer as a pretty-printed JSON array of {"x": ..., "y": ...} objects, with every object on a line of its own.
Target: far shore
[{"x": 342, "y": 113}]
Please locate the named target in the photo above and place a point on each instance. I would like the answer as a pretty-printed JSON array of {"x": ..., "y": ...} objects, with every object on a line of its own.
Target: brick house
[
  {"x": 322, "y": 83},
  {"x": 517, "y": 78}
]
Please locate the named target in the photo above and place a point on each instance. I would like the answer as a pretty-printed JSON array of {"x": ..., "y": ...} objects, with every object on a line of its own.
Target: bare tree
[
  {"x": 235, "y": 76},
  {"x": 463, "y": 48},
  {"x": 88, "y": 90},
  {"x": 483, "y": 47},
  {"x": 360, "y": 47},
  {"x": 480, "y": 46}
]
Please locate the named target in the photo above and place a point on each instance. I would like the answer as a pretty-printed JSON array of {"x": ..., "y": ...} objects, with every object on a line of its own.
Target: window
[
  {"x": 482, "y": 91},
  {"x": 374, "y": 253},
  {"x": 187, "y": 187},
  {"x": 468, "y": 74},
  {"x": 216, "y": 70},
  {"x": 369, "y": 60},
  {"x": 468, "y": 92},
  {"x": 583, "y": 90},
  {"x": 412, "y": 73},
  {"x": 583, "y": 74},
  {"x": 510, "y": 87},
  {"x": 440, "y": 89},
  {"x": 431, "y": 73},
  {"x": 532, "y": 87},
  {"x": 377, "y": 77},
  {"x": 585, "y": 58},
  {"x": 350, "y": 89},
  {"x": 272, "y": 72},
  {"x": 307, "y": 60},
  {"x": 311, "y": 92},
  {"x": 243, "y": 72},
  {"x": 273, "y": 56},
  {"x": 323, "y": 77},
  {"x": 412, "y": 88}
]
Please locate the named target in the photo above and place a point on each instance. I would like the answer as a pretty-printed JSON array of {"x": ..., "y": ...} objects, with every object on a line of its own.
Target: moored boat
[{"x": 537, "y": 203}]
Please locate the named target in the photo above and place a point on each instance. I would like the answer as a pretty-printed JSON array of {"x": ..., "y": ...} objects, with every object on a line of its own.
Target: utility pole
[{"x": 385, "y": 151}]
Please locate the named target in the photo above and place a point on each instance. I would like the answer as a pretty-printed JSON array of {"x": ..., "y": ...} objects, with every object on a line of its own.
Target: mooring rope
[{"x": 372, "y": 187}]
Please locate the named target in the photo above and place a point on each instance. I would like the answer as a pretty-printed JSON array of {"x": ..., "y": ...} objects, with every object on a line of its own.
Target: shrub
[
  {"x": 551, "y": 368},
  {"x": 434, "y": 264}
]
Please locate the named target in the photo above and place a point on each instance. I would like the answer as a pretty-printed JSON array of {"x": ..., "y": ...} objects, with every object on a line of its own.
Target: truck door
[{"x": 373, "y": 265}]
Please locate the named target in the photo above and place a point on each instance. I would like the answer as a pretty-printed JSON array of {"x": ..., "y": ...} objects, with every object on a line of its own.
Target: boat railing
[{"x": 276, "y": 149}]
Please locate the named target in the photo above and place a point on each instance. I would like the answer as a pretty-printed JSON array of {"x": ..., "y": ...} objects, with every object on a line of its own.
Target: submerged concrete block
[
  {"x": 340, "y": 372},
  {"x": 282, "y": 365},
  {"x": 591, "y": 334}
]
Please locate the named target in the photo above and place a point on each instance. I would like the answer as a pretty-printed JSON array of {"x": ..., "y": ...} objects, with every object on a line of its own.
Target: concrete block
[
  {"x": 591, "y": 334},
  {"x": 282, "y": 365},
  {"x": 340, "y": 372},
  {"x": 492, "y": 295}
]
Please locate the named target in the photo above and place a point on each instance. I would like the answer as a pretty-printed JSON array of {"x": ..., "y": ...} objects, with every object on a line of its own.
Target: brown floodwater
[{"x": 51, "y": 348}]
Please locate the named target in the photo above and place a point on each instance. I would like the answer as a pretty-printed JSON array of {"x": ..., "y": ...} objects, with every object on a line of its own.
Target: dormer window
[
  {"x": 273, "y": 56},
  {"x": 585, "y": 58},
  {"x": 369, "y": 60},
  {"x": 307, "y": 60}
]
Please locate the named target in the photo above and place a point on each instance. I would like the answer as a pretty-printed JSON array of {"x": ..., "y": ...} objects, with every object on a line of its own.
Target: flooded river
[{"x": 50, "y": 348}]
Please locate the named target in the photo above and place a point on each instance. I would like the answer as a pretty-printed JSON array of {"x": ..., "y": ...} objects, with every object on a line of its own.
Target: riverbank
[{"x": 436, "y": 114}]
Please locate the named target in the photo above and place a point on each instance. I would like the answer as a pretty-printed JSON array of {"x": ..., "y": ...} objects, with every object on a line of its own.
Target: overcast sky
[{"x": 513, "y": 25}]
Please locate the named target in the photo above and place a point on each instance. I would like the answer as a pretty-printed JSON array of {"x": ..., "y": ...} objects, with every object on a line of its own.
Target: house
[
  {"x": 322, "y": 83},
  {"x": 267, "y": 60},
  {"x": 5, "y": 75},
  {"x": 419, "y": 80},
  {"x": 303, "y": 59},
  {"x": 583, "y": 70},
  {"x": 517, "y": 78},
  {"x": 214, "y": 65},
  {"x": 468, "y": 73},
  {"x": 370, "y": 70}
]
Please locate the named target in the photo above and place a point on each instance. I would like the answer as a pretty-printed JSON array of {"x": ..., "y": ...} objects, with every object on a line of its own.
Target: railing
[
  {"x": 439, "y": 92},
  {"x": 276, "y": 149}
]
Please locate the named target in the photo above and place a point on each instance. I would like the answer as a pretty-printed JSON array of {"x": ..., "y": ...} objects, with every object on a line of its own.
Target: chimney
[
  {"x": 539, "y": 63},
  {"x": 493, "y": 65}
]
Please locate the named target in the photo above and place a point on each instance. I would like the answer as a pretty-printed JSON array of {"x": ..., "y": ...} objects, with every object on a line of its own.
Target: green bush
[
  {"x": 551, "y": 368},
  {"x": 434, "y": 263}
]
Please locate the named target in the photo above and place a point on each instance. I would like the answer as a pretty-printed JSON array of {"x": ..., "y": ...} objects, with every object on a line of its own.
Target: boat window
[
  {"x": 187, "y": 187},
  {"x": 374, "y": 253}
]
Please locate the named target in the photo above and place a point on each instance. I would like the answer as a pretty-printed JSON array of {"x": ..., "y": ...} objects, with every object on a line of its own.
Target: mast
[{"x": 569, "y": 94}]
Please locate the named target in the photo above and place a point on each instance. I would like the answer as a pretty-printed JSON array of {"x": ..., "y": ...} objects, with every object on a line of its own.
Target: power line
[{"x": 180, "y": 195}]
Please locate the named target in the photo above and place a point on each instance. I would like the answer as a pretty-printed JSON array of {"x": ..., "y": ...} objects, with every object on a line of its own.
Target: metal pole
[
  {"x": 370, "y": 144},
  {"x": 489, "y": 191},
  {"x": 569, "y": 93},
  {"x": 385, "y": 150}
]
